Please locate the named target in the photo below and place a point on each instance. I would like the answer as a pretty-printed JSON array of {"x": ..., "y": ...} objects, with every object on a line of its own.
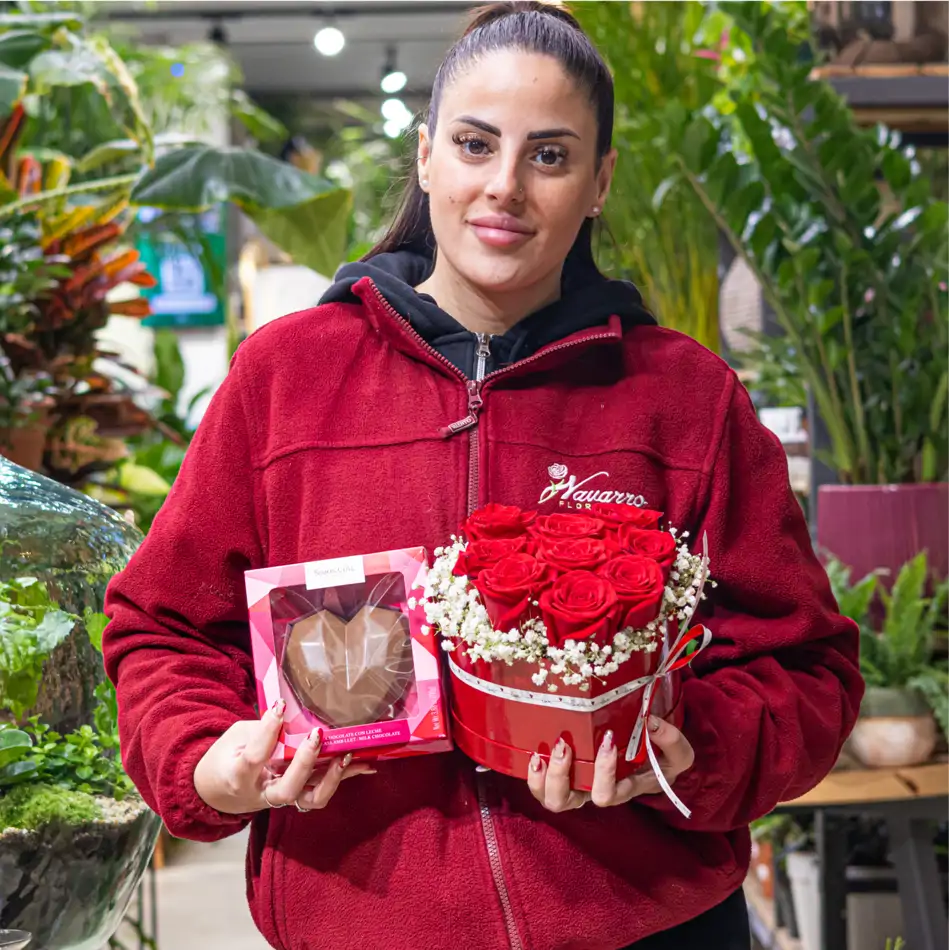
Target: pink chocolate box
[{"x": 329, "y": 596}]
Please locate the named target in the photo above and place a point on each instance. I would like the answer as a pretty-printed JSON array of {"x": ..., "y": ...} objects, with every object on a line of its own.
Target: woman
[{"x": 475, "y": 349}]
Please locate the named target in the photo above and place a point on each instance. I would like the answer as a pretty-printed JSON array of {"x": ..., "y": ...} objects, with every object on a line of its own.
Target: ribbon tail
[{"x": 661, "y": 778}]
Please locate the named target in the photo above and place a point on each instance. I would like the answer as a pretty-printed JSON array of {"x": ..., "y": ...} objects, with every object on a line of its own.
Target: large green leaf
[
  {"x": 18, "y": 47},
  {"x": 12, "y": 88},
  {"x": 197, "y": 177},
  {"x": 302, "y": 214},
  {"x": 313, "y": 233}
]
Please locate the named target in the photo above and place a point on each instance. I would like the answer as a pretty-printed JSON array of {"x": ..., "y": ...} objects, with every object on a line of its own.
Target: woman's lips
[{"x": 498, "y": 232}]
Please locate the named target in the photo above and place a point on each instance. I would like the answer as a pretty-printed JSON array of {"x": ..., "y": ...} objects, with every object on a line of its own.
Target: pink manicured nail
[
  {"x": 607, "y": 743},
  {"x": 316, "y": 737},
  {"x": 560, "y": 750},
  {"x": 535, "y": 763},
  {"x": 654, "y": 724},
  {"x": 278, "y": 708},
  {"x": 346, "y": 760}
]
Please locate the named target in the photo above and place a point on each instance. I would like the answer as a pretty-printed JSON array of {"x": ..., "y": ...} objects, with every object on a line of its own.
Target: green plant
[
  {"x": 900, "y": 654},
  {"x": 44, "y": 58},
  {"x": 30, "y": 807},
  {"x": 85, "y": 760},
  {"x": 663, "y": 72},
  {"x": 850, "y": 249},
  {"x": 31, "y": 627}
]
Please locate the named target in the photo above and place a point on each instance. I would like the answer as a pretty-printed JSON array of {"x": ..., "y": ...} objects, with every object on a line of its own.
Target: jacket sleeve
[
  {"x": 177, "y": 647},
  {"x": 776, "y": 693}
]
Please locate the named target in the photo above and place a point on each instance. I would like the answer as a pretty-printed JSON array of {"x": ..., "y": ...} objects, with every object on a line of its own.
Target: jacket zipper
[
  {"x": 470, "y": 422},
  {"x": 482, "y": 353}
]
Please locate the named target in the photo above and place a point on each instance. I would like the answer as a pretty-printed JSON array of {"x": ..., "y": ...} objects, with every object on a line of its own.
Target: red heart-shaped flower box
[{"x": 502, "y": 734}]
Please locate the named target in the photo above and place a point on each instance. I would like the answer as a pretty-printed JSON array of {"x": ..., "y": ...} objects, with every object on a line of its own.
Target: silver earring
[{"x": 595, "y": 210}]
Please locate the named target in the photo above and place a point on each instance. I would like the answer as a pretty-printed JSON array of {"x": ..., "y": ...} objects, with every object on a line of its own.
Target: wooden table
[{"x": 910, "y": 800}]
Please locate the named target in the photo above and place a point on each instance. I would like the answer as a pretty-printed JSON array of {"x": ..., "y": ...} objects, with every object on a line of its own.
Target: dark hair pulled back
[{"x": 533, "y": 27}]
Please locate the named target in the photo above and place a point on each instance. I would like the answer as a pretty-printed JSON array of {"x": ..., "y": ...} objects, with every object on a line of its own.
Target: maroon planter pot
[{"x": 873, "y": 526}]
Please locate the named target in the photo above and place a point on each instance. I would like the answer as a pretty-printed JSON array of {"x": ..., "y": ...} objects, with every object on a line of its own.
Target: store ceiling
[{"x": 273, "y": 40}]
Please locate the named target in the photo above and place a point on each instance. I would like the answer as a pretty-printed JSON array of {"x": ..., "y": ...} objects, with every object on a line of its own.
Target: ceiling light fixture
[
  {"x": 329, "y": 41},
  {"x": 393, "y": 80}
]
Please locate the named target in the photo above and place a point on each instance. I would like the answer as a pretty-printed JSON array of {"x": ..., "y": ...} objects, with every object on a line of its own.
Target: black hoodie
[{"x": 587, "y": 300}]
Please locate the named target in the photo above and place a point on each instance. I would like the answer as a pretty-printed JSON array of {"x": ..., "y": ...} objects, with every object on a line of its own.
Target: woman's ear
[
  {"x": 422, "y": 156},
  {"x": 605, "y": 175}
]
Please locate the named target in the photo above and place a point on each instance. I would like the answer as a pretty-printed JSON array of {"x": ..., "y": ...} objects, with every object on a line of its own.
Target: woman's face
[{"x": 512, "y": 170}]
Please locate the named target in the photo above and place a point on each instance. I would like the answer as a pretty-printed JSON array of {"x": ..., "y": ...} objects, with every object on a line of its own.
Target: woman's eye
[
  {"x": 472, "y": 145},
  {"x": 550, "y": 156}
]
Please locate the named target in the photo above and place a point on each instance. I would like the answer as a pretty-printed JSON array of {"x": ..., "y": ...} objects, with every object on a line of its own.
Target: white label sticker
[{"x": 334, "y": 572}]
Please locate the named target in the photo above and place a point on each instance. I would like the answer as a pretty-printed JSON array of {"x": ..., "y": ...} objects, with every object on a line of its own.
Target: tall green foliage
[
  {"x": 663, "y": 73},
  {"x": 850, "y": 248}
]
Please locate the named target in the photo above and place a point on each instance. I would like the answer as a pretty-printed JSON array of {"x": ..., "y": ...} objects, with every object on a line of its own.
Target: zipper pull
[
  {"x": 482, "y": 354},
  {"x": 474, "y": 388}
]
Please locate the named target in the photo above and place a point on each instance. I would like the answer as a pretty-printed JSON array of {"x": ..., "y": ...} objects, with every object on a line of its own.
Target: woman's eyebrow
[{"x": 532, "y": 136}]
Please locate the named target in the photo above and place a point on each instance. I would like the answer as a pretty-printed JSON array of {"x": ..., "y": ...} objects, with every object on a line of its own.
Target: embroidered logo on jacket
[{"x": 573, "y": 493}]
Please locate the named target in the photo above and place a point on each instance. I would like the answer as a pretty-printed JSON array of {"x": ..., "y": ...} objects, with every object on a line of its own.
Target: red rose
[
  {"x": 567, "y": 527},
  {"x": 658, "y": 545},
  {"x": 508, "y": 588},
  {"x": 580, "y": 606},
  {"x": 639, "y": 584},
  {"x": 584, "y": 554},
  {"x": 616, "y": 516},
  {"x": 481, "y": 554},
  {"x": 497, "y": 521}
]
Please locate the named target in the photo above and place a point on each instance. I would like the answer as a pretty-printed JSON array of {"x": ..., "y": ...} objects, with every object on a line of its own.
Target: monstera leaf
[{"x": 302, "y": 214}]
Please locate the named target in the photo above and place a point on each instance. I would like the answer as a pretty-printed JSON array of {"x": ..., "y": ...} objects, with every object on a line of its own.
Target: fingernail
[
  {"x": 654, "y": 724},
  {"x": 607, "y": 743},
  {"x": 535, "y": 763},
  {"x": 560, "y": 750},
  {"x": 369, "y": 772},
  {"x": 346, "y": 760},
  {"x": 278, "y": 708},
  {"x": 316, "y": 737}
]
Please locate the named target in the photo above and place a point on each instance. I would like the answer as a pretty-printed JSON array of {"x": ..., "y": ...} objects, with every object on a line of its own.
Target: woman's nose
[{"x": 505, "y": 185}]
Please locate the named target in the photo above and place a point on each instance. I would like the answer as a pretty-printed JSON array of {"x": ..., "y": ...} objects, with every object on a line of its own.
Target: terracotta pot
[
  {"x": 884, "y": 526},
  {"x": 895, "y": 729},
  {"x": 24, "y": 445}
]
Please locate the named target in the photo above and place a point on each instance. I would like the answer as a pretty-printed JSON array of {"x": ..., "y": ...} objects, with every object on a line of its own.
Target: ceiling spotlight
[
  {"x": 392, "y": 80},
  {"x": 329, "y": 41},
  {"x": 394, "y": 110}
]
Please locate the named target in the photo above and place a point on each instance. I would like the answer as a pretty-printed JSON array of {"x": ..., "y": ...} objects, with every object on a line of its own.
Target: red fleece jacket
[{"x": 328, "y": 439}]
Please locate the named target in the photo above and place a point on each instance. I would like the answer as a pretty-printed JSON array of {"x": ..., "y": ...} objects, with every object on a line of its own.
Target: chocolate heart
[{"x": 349, "y": 673}]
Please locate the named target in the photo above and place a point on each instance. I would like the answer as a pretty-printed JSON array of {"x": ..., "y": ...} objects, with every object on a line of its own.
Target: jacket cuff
[{"x": 189, "y": 815}]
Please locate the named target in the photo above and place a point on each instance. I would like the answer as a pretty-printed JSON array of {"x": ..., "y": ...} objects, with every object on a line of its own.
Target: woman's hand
[
  {"x": 551, "y": 784},
  {"x": 232, "y": 776}
]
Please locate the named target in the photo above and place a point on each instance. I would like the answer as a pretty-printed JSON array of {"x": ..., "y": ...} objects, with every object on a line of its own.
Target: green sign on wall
[{"x": 186, "y": 294}]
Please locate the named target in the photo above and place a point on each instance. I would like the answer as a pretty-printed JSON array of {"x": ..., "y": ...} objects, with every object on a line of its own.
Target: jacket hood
[{"x": 588, "y": 299}]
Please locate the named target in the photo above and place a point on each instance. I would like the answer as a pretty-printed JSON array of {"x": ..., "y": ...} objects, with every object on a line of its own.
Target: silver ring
[
  {"x": 298, "y": 806},
  {"x": 270, "y": 804}
]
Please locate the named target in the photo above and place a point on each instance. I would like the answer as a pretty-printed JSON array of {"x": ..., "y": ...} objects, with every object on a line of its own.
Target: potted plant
[
  {"x": 74, "y": 836},
  {"x": 906, "y": 696},
  {"x": 850, "y": 250}
]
